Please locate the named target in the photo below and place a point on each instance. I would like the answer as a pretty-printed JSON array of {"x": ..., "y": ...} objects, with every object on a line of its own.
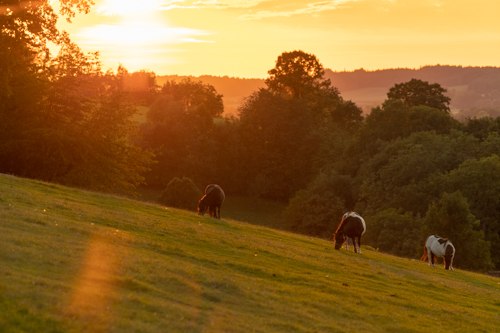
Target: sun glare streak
[{"x": 96, "y": 283}]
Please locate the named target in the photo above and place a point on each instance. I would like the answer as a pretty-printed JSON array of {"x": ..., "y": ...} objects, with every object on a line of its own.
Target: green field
[{"x": 76, "y": 261}]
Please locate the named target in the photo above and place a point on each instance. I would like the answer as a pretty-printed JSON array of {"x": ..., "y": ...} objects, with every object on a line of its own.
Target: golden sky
[{"x": 243, "y": 38}]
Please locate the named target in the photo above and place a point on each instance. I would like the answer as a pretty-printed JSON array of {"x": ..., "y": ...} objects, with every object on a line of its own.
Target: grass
[
  {"x": 254, "y": 210},
  {"x": 76, "y": 261}
]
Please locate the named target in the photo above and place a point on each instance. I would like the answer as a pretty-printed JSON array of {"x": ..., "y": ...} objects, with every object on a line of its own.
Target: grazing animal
[
  {"x": 352, "y": 226},
  {"x": 436, "y": 246},
  {"x": 212, "y": 200}
]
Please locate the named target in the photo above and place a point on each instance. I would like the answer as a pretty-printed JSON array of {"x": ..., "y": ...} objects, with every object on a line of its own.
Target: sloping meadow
[{"x": 77, "y": 261}]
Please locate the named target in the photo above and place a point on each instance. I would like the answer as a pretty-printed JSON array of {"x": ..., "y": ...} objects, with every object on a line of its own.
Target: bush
[
  {"x": 181, "y": 193},
  {"x": 451, "y": 217},
  {"x": 318, "y": 209},
  {"x": 395, "y": 232}
]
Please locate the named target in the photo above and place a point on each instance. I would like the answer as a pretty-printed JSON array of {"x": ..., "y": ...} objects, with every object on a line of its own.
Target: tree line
[{"x": 409, "y": 167}]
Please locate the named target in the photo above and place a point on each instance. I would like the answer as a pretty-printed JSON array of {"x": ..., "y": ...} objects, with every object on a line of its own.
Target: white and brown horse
[
  {"x": 351, "y": 226},
  {"x": 436, "y": 246}
]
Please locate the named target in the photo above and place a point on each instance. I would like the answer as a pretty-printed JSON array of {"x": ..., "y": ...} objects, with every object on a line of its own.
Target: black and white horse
[
  {"x": 212, "y": 200},
  {"x": 436, "y": 246},
  {"x": 351, "y": 226}
]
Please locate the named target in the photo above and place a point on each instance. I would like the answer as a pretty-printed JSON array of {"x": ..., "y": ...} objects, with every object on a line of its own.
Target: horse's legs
[
  {"x": 347, "y": 240},
  {"x": 359, "y": 244},
  {"x": 429, "y": 256},
  {"x": 424, "y": 256},
  {"x": 355, "y": 244},
  {"x": 217, "y": 212},
  {"x": 432, "y": 259},
  {"x": 449, "y": 262}
]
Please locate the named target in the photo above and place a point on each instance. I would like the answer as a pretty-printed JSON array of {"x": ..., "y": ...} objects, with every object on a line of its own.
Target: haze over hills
[{"x": 474, "y": 91}]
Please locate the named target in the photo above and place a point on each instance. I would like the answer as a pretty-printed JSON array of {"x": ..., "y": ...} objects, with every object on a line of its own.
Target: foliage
[
  {"x": 180, "y": 129},
  {"x": 450, "y": 217},
  {"x": 482, "y": 127},
  {"x": 396, "y": 232},
  {"x": 479, "y": 181},
  {"x": 317, "y": 209},
  {"x": 403, "y": 175},
  {"x": 284, "y": 125},
  {"x": 417, "y": 92},
  {"x": 394, "y": 120},
  {"x": 62, "y": 119},
  {"x": 181, "y": 193},
  {"x": 139, "y": 87},
  {"x": 296, "y": 74}
]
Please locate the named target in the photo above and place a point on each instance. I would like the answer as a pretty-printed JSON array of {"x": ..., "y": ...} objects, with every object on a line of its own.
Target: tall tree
[
  {"x": 62, "y": 119},
  {"x": 417, "y": 92},
  {"x": 180, "y": 129},
  {"x": 296, "y": 73},
  {"x": 283, "y": 125}
]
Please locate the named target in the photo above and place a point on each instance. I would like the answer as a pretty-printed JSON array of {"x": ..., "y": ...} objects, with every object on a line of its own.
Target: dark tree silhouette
[{"x": 417, "y": 92}]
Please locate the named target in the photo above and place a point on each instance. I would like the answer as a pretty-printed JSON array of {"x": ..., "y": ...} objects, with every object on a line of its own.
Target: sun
[{"x": 135, "y": 34}]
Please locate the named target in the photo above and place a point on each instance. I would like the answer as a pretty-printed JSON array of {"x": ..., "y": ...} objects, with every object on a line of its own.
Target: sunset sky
[{"x": 243, "y": 38}]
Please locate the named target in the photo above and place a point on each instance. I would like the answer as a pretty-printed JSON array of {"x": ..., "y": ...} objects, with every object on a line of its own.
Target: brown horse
[
  {"x": 351, "y": 226},
  {"x": 212, "y": 200}
]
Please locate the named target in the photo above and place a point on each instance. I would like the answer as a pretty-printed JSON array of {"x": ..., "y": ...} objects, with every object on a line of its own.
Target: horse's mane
[{"x": 202, "y": 200}]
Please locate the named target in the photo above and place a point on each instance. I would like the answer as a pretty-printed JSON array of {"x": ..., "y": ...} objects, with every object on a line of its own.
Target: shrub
[
  {"x": 317, "y": 209},
  {"x": 181, "y": 193},
  {"x": 395, "y": 232},
  {"x": 451, "y": 217}
]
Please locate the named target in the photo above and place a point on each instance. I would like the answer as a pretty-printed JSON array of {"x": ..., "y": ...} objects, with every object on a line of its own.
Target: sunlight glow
[
  {"x": 128, "y": 8},
  {"x": 128, "y": 34},
  {"x": 244, "y": 37},
  {"x": 96, "y": 282},
  {"x": 135, "y": 34}
]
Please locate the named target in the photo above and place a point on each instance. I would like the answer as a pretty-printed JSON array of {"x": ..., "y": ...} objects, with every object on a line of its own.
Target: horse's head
[{"x": 339, "y": 239}]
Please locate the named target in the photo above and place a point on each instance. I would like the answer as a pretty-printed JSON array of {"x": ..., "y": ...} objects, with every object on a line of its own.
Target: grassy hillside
[{"x": 75, "y": 261}]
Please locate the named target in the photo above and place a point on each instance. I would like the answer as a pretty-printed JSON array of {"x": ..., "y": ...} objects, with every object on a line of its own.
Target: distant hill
[{"x": 474, "y": 91}]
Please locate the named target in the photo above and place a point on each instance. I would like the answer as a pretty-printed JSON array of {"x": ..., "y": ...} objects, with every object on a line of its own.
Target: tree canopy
[
  {"x": 296, "y": 74},
  {"x": 417, "y": 92},
  {"x": 62, "y": 118},
  {"x": 284, "y": 125},
  {"x": 408, "y": 167},
  {"x": 180, "y": 129}
]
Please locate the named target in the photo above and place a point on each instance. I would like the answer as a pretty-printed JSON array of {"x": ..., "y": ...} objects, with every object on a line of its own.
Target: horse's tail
[{"x": 425, "y": 255}]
